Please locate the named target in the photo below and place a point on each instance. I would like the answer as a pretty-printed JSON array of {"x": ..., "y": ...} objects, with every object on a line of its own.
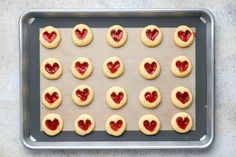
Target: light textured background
[{"x": 225, "y": 15}]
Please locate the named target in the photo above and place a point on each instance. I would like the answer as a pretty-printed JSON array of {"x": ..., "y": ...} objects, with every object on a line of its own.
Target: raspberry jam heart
[
  {"x": 184, "y": 35},
  {"x": 150, "y": 68},
  {"x": 182, "y": 122},
  {"x": 84, "y": 125},
  {"x": 117, "y": 97},
  {"x": 81, "y": 67},
  {"x": 183, "y": 97},
  {"x": 116, "y": 35},
  {"x": 116, "y": 125},
  {"x": 113, "y": 67},
  {"x": 81, "y": 34},
  {"x": 150, "y": 126},
  {"x": 52, "y": 69},
  {"x": 51, "y": 98},
  {"x": 83, "y": 95},
  {"x": 151, "y": 97},
  {"x": 52, "y": 125},
  {"x": 182, "y": 66},
  {"x": 152, "y": 34},
  {"x": 49, "y": 37}
]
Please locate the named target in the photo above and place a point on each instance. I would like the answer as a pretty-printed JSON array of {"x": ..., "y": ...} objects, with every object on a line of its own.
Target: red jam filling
[
  {"x": 83, "y": 95},
  {"x": 113, "y": 67},
  {"x": 117, "y": 98},
  {"x": 51, "y": 69},
  {"x": 182, "y": 66},
  {"x": 49, "y": 37},
  {"x": 151, "y": 97},
  {"x": 84, "y": 125},
  {"x": 51, "y": 98},
  {"x": 81, "y": 68},
  {"x": 150, "y": 126},
  {"x": 52, "y": 125},
  {"x": 116, "y": 126},
  {"x": 81, "y": 34},
  {"x": 116, "y": 35},
  {"x": 183, "y": 97},
  {"x": 152, "y": 34},
  {"x": 182, "y": 123},
  {"x": 150, "y": 68},
  {"x": 184, "y": 36}
]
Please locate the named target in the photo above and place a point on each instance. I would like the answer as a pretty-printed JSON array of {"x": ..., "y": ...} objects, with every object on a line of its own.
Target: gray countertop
[{"x": 225, "y": 16}]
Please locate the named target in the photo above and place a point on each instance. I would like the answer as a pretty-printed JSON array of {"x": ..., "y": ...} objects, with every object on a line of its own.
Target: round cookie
[
  {"x": 183, "y": 36},
  {"x": 151, "y": 36},
  {"x": 52, "y": 124},
  {"x": 181, "y": 97},
  {"x": 82, "y": 35},
  {"x": 182, "y": 122},
  {"x": 150, "y": 97},
  {"x": 82, "y": 95},
  {"x": 149, "y": 124},
  {"x": 51, "y": 97},
  {"x": 113, "y": 67},
  {"x": 149, "y": 68},
  {"x": 50, "y": 37},
  {"x": 81, "y": 68},
  {"x": 84, "y": 124},
  {"x": 116, "y": 36},
  {"x": 116, "y": 97},
  {"x": 115, "y": 125},
  {"x": 181, "y": 66},
  {"x": 51, "y": 68}
]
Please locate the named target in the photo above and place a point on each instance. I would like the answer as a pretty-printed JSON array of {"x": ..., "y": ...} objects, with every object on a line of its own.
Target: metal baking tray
[{"x": 31, "y": 21}]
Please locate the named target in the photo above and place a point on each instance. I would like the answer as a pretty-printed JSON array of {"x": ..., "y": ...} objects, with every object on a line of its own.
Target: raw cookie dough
[
  {"x": 181, "y": 66},
  {"x": 50, "y": 37},
  {"x": 113, "y": 67},
  {"x": 182, "y": 122},
  {"x": 52, "y": 124},
  {"x": 181, "y": 97},
  {"x": 82, "y": 95},
  {"x": 51, "y": 68},
  {"x": 116, "y": 97},
  {"x": 149, "y": 68},
  {"x": 115, "y": 125},
  {"x": 81, "y": 35},
  {"x": 116, "y": 36},
  {"x": 84, "y": 124},
  {"x": 150, "y": 97},
  {"x": 149, "y": 124},
  {"x": 183, "y": 36},
  {"x": 81, "y": 68},
  {"x": 51, "y": 97},
  {"x": 151, "y": 36}
]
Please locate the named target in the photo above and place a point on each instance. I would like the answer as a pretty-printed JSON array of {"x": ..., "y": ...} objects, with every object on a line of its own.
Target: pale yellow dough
[
  {"x": 83, "y": 88},
  {"x": 177, "y": 102},
  {"x": 180, "y": 42},
  {"x": 147, "y": 103},
  {"x": 148, "y": 42},
  {"x": 55, "y": 42},
  {"x": 52, "y": 116},
  {"x": 119, "y": 71},
  {"x": 84, "y": 117},
  {"x": 88, "y": 71},
  {"x": 149, "y": 118},
  {"x": 175, "y": 125},
  {"x": 115, "y": 91},
  {"x": 115, "y": 118},
  {"x": 51, "y": 90},
  {"x": 175, "y": 70},
  {"x": 87, "y": 38},
  {"x": 144, "y": 72},
  {"x": 111, "y": 41}
]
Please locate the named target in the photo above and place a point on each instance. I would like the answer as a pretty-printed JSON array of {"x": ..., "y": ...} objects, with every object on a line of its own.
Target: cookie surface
[
  {"x": 82, "y": 35},
  {"x": 149, "y": 68},
  {"x": 181, "y": 66},
  {"x": 183, "y": 36},
  {"x": 149, "y": 124},
  {"x": 84, "y": 124},
  {"x": 51, "y": 97},
  {"x": 181, "y": 97},
  {"x": 81, "y": 68},
  {"x": 51, "y": 68},
  {"x": 151, "y": 36},
  {"x": 150, "y": 97},
  {"x": 115, "y": 125},
  {"x": 50, "y": 37},
  {"x": 82, "y": 95},
  {"x": 116, "y": 97},
  {"x": 52, "y": 124},
  {"x": 113, "y": 67},
  {"x": 182, "y": 122},
  {"x": 116, "y": 36}
]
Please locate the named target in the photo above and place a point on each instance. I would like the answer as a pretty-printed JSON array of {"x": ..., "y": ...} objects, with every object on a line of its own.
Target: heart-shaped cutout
[
  {"x": 150, "y": 68},
  {"x": 150, "y": 126},
  {"x": 182, "y": 65},
  {"x": 52, "y": 125},
  {"x": 52, "y": 69},
  {"x": 117, "y": 97},
  {"x": 116, "y": 35},
  {"x": 152, "y": 34},
  {"x": 81, "y": 67},
  {"x": 182, "y": 122},
  {"x": 151, "y": 96},
  {"x": 51, "y": 98},
  {"x": 82, "y": 94},
  {"x": 184, "y": 35},
  {"x": 84, "y": 125},
  {"x": 116, "y": 125},
  {"x": 183, "y": 97},
  {"x": 113, "y": 67},
  {"x": 49, "y": 37},
  {"x": 81, "y": 34}
]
